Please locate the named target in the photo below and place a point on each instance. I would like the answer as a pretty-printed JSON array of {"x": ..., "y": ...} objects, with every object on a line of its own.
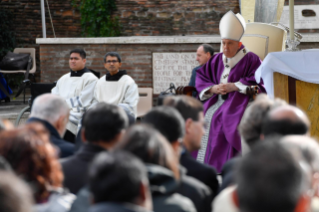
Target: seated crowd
[{"x": 79, "y": 152}]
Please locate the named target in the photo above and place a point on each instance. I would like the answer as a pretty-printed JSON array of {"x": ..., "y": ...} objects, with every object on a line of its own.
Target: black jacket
[
  {"x": 228, "y": 172},
  {"x": 115, "y": 207},
  {"x": 163, "y": 188},
  {"x": 75, "y": 168},
  {"x": 66, "y": 148},
  {"x": 202, "y": 172},
  {"x": 196, "y": 191}
]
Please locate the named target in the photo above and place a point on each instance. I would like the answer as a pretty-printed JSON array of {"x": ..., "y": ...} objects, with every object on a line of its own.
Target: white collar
[{"x": 231, "y": 62}]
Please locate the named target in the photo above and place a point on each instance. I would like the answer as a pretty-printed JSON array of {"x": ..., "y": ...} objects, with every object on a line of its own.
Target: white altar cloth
[{"x": 302, "y": 65}]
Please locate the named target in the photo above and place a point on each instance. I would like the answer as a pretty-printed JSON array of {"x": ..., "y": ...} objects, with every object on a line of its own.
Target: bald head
[
  {"x": 49, "y": 107},
  {"x": 286, "y": 120},
  {"x": 309, "y": 148}
]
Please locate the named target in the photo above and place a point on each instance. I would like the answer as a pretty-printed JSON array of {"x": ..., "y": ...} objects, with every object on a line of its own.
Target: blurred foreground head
[
  {"x": 53, "y": 109},
  {"x": 104, "y": 124},
  {"x": 150, "y": 146},
  {"x": 32, "y": 157},
  {"x": 250, "y": 127},
  {"x": 269, "y": 178},
  {"x": 119, "y": 177},
  {"x": 169, "y": 122},
  {"x": 306, "y": 150},
  {"x": 15, "y": 195},
  {"x": 286, "y": 120},
  {"x": 193, "y": 113}
]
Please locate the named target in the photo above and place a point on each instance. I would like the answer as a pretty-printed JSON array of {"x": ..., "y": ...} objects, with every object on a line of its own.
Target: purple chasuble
[{"x": 224, "y": 140}]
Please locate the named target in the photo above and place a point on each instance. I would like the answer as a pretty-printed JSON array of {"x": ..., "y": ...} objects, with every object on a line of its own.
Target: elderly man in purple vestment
[{"x": 221, "y": 84}]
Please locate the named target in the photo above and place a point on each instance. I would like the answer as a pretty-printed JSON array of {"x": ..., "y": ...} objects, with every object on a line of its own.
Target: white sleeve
[
  {"x": 203, "y": 96},
  {"x": 55, "y": 90},
  {"x": 131, "y": 98},
  {"x": 85, "y": 98},
  {"x": 242, "y": 88}
]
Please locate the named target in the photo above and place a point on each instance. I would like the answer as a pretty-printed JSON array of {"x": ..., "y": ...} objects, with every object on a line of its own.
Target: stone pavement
[{"x": 10, "y": 110}]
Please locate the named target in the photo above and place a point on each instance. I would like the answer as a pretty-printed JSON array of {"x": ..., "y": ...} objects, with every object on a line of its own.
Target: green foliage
[
  {"x": 8, "y": 43},
  {"x": 97, "y": 20},
  {"x": 7, "y": 36}
]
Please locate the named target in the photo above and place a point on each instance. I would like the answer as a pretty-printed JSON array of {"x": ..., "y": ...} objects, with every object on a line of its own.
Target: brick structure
[
  {"x": 137, "y": 17},
  {"x": 28, "y": 25},
  {"x": 171, "y": 17},
  {"x": 136, "y": 59}
]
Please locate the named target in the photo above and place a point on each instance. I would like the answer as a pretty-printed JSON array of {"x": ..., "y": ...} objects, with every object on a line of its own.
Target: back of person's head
[
  {"x": 113, "y": 54},
  {"x": 208, "y": 48},
  {"x": 103, "y": 122},
  {"x": 81, "y": 52},
  {"x": 150, "y": 146},
  {"x": 251, "y": 123},
  {"x": 15, "y": 195},
  {"x": 269, "y": 179},
  {"x": 117, "y": 177},
  {"x": 309, "y": 148},
  {"x": 49, "y": 107},
  {"x": 285, "y": 120},
  {"x": 32, "y": 156},
  {"x": 187, "y": 106},
  {"x": 167, "y": 121}
]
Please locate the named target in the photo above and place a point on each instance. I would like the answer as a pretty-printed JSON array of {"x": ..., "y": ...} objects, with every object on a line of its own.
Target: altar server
[
  {"x": 116, "y": 87},
  {"x": 77, "y": 88}
]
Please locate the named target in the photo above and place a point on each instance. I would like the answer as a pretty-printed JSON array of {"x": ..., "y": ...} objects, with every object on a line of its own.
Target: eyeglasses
[{"x": 111, "y": 61}]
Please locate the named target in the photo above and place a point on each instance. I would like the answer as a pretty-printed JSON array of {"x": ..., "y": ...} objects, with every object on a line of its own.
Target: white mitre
[{"x": 232, "y": 26}]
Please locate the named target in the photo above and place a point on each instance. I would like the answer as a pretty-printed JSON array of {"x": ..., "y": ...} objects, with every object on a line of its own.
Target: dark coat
[
  {"x": 192, "y": 80},
  {"x": 75, "y": 168},
  {"x": 202, "y": 172},
  {"x": 66, "y": 148},
  {"x": 196, "y": 191},
  {"x": 228, "y": 172},
  {"x": 163, "y": 188},
  {"x": 115, "y": 207}
]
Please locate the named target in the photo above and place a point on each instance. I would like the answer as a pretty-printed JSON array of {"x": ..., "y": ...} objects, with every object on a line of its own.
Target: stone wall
[{"x": 136, "y": 59}]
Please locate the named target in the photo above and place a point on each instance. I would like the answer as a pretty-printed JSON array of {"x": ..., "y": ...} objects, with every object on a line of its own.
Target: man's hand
[
  {"x": 214, "y": 90},
  {"x": 222, "y": 89},
  {"x": 227, "y": 88}
]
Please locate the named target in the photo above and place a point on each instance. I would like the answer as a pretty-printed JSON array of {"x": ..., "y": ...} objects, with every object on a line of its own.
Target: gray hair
[
  {"x": 251, "y": 124},
  {"x": 49, "y": 107}
]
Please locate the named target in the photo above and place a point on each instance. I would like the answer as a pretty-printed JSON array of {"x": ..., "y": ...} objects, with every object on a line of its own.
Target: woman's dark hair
[{"x": 32, "y": 157}]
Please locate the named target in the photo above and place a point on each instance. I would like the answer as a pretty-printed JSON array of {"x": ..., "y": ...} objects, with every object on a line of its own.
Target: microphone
[{"x": 171, "y": 87}]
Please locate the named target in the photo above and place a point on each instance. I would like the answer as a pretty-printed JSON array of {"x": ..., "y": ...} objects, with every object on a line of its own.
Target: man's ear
[
  {"x": 84, "y": 60},
  {"x": 188, "y": 125},
  {"x": 262, "y": 137},
  {"x": 144, "y": 198},
  {"x": 120, "y": 64},
  {"x": 176, "y": 146},
  {"x": 303, "y": 203},
  {"x": 60, "y": 125},
  {"x": 239, "y": 44},
  {"x": 83, "y": 135}
]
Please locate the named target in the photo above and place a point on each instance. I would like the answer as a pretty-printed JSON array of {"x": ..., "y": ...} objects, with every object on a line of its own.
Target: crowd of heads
[{"x": 279, "y": 172}]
